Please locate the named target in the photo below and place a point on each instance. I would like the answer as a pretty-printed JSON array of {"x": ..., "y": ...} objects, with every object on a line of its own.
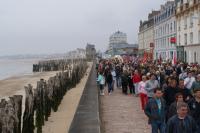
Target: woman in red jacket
[{"x": 136, "y": 79}]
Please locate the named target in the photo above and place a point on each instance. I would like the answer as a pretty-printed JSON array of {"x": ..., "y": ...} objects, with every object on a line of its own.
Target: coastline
[{"x": 14, "y": 85}]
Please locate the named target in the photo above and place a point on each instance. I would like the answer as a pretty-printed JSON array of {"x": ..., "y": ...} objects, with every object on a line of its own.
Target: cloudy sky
[{"x": 57, "y": 26}]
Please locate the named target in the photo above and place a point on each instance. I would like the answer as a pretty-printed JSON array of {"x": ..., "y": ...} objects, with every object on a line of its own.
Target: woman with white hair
[{"x": 143, "y": 92}]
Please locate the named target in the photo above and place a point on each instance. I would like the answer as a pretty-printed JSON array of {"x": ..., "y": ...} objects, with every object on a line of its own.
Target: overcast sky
[{"x": 57, "y": 26}]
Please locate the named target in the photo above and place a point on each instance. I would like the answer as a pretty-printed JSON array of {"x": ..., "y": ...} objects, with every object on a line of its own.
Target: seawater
[{"x": 15, "y": 67}]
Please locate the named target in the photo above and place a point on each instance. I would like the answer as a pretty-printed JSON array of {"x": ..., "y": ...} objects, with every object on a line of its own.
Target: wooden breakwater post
[
  {"x": 10, "y": 115},
  {"x": 28, "y": 121},
  {"x": 40, "y": 101}
]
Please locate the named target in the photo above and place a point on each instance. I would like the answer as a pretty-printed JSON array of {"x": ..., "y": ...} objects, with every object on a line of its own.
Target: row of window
[
  {"x": 165, "y": 14},
  {"x": 163, "y": 43},
  {"x": 191, "y": 38},
  {"x": 166, "y": 29}
]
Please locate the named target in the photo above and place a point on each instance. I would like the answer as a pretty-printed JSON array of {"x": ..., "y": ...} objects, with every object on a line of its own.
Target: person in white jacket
[
  {"x": 143, "y": 92},
  {"x": 189, "y": 81}
]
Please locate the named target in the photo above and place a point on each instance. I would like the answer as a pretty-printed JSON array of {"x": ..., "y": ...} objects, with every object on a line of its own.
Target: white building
[
  {"x": 188, "y": 29},
  {"x": 118, "y": 45},
  {"x": 118, "y": 37},
  {"x": 77, "y": 54},
  {"x": 165, "y": 32}
]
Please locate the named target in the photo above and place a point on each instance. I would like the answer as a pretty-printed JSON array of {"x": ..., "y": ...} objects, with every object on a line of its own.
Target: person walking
[
  {"x": 194, "y": 106},
  {"x": 173, "y": 107},
  {"x": 136, "y": 79},
  {"x": 118, "y": 71},
  {"x": 109, "y": 81},
  {"x": 124, "y": 79},
  {"x": 143, "y": 92},
  {"x": 101, "y": 82},
  {"x": 130, "y": 83},
  {"x": 196, "y": 84},
  {"x": 189, "y": 81},
  {"x": 182, "y": 122},
  {"x": 170, "y": 92},
  {"x": 182, "y": 89},
  {"x": 155, "y": 111},
  {"x": 151, "y": 84}
]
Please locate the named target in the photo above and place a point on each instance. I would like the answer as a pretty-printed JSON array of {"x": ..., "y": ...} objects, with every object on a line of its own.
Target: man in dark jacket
[
  {"x": 182, "y": 122},
  {"x": 194, "y": 105},
  {"x": 124, "y": 78},
  {"x": 182, "y": 89},
  {"x": 109, "y": 80},
  {"x": 170, "y": 92},
  {"x": 118, "y": 75},
  {"x": 155, "y": 111}
]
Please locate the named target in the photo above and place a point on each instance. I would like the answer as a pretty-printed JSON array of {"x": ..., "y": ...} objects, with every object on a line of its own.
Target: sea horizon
[{"x": 16, "y": 67}]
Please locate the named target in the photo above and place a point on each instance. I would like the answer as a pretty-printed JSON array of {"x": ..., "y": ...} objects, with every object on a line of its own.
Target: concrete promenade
[{"x": 122, "y": 114}]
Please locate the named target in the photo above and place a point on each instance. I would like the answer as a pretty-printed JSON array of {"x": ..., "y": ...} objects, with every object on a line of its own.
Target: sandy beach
[{"x": 15, "y": 85}]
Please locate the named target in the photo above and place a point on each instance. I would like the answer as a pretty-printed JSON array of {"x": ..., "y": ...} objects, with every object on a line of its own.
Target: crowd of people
[{"x": 169, "y": 93}]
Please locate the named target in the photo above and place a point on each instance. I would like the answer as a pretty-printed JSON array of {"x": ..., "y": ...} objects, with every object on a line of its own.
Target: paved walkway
[
  {"x": 122, "y": 114},
  {"x": 86, "y": 119}
]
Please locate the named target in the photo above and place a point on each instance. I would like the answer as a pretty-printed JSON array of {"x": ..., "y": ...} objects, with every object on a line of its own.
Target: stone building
[
  {"x": 146, "y": 35},
  {"x": 90, "y": 51},
  {"x": 188, "y": 30}
]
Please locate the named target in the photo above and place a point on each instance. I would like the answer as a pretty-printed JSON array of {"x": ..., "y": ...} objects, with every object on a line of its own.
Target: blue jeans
[
  {"x": 118, "y": 81},
  {"x": 158, "y": 127}
]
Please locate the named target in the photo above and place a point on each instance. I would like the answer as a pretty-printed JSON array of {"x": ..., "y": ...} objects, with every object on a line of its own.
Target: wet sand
[{"x": 15, "y": 85}]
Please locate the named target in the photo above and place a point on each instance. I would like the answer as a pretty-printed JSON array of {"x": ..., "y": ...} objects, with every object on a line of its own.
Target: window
[
  {"x": 185, "y": 22},
  {"x": 199, "y": 37},
  {"x": 174, "y": 26},
  {"x": 191, "y": 20},
  {"x": 179, "y": 25},
  {"x": 171, "y": 28},
  {"x": 168, "y": 28},
  {"x": 191, "y": 38},
  {"x": 199, "y": 15},
  {"x": 185, "y": 39},
  {"x": 195, "y": 57}
]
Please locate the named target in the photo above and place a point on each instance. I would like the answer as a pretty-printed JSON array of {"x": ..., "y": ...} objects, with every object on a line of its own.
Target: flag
[
  {"x": 174, "y": 60},
  {"x": 145, "y": 56}
]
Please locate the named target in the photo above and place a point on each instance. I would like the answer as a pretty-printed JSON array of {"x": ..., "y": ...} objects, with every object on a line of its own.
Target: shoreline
[{"x": 15, "y": 84}]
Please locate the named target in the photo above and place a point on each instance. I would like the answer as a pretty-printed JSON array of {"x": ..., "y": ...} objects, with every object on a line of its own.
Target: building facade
[
  {"x": 90, "y": 51},
  {"x": 165, "y": 32},
  {"x": 188, "y": 29},
  {"x": 118, "y": 45},
  {"x": 146, "y": 35}
]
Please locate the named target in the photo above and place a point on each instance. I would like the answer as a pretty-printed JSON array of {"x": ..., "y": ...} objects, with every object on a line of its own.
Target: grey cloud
[{"x": 42, "y": 26}]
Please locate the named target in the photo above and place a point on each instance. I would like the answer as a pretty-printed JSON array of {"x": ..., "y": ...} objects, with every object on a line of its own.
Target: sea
[{"x": 16, "y": 67}]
